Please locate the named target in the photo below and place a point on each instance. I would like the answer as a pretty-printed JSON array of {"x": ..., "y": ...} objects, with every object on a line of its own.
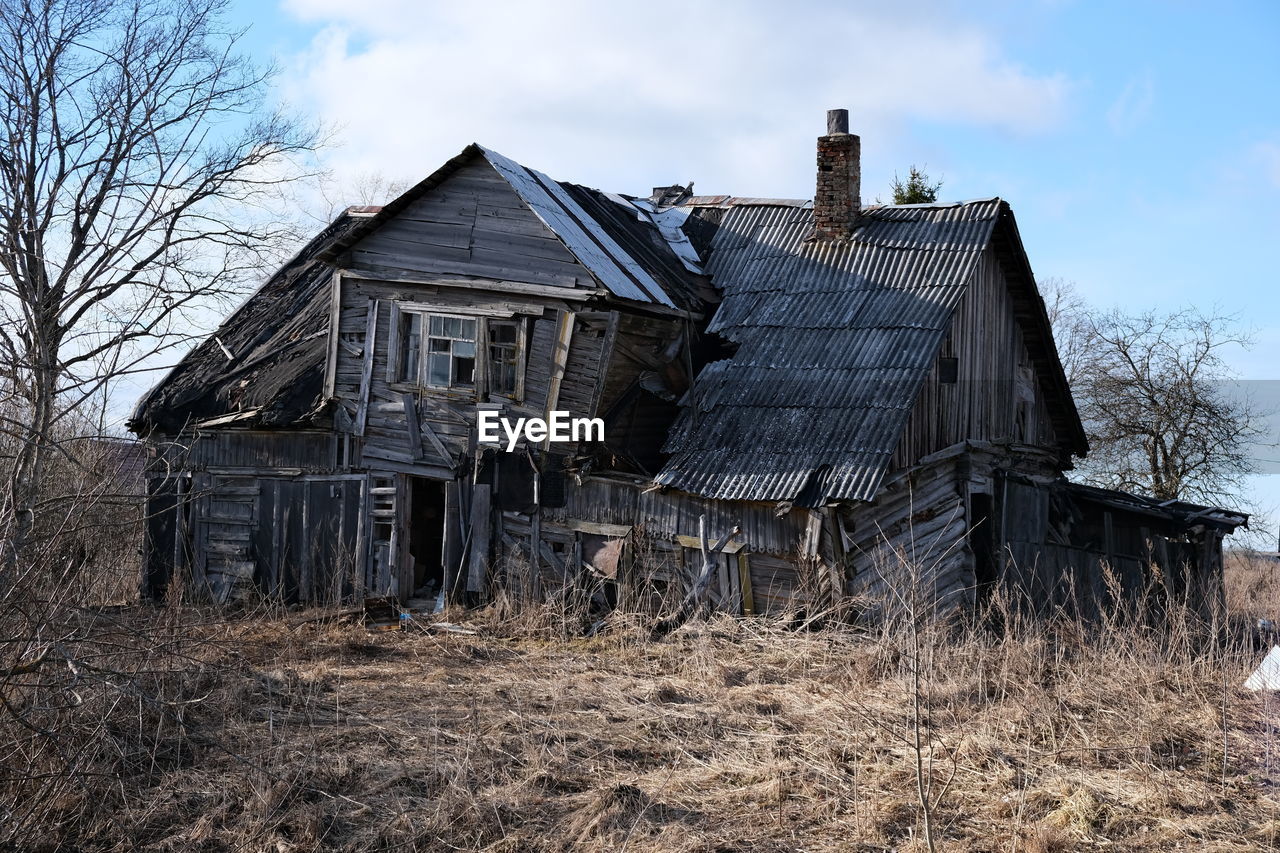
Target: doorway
[{"x": 426, "y": 535}]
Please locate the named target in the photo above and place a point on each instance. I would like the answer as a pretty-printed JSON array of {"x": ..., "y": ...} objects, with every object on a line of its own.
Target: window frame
[
  {"x": 426, "y": 352},
  {"x": 520, "y": 324},
  {"x": 480, "y": 386}
]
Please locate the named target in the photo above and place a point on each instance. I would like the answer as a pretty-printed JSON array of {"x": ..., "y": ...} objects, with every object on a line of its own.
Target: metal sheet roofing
[
  {"x": 582, "y": 235},
  {"x": 834, "y": 340}
]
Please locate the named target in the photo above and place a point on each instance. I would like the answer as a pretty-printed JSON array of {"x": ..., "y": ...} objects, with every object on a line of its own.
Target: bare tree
[
  {"x": 136, "y": 159},
  {"x": 366, "y": 189},
  {"x": 1157, "y": 398},
  {"x": 1069, "y": 315}
]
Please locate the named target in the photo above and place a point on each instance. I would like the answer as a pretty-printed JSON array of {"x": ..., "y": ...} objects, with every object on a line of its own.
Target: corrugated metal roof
[
  {"x": 834, "y": 339},
  {"x": 662, "y": 254}
]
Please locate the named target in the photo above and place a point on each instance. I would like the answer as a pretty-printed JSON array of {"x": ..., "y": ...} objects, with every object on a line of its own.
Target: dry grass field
[{"x": 284, "y": 734}]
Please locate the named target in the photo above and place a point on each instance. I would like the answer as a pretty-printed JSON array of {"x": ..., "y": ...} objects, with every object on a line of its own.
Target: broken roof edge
[
  {"x": 313, "y": 250},
  {"x": 1178, "y": 510}
]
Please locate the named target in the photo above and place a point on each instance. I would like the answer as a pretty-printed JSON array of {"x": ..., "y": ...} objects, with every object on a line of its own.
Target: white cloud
[
  {"x": 731, "y": 96},
  {"x": 1133, "y": 106}
]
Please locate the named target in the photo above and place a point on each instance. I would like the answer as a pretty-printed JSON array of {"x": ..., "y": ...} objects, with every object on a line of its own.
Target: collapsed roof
[{"x": 265, "y": 363}]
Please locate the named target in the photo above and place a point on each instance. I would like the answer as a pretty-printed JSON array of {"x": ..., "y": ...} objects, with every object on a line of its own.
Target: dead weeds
[{"x": 728, "y": 735}]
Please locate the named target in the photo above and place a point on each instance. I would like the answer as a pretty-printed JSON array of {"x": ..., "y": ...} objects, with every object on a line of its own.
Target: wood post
[{"x": 478, "y": 567}]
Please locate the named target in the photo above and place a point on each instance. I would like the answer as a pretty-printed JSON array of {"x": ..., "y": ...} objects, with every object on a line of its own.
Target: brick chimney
[{"x": 837, "y": 201}]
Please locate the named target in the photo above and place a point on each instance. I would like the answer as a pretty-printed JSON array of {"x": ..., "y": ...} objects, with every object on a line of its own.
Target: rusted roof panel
[{"x": 834, "y": 339}]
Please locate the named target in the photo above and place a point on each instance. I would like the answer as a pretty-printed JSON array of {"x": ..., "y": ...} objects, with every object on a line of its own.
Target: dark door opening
[
  {"x": 426, "y": 535},
  {"x": 982, "y": 541}
]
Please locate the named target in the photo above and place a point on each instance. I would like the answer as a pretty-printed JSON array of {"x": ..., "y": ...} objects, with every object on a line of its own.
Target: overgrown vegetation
[{"x": 177, "y": 731}]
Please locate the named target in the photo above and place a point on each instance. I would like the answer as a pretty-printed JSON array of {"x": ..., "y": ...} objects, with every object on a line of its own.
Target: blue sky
[{"x": 1138, "y": 142}]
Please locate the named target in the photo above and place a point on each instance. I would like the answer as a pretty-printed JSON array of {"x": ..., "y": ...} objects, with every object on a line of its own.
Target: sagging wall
[
  {"x": 403, "y": 426},
  {"x": 911, "y": 547},
  {"x": 1066, "y": 549},
  {"x": 239, "y": 513}
]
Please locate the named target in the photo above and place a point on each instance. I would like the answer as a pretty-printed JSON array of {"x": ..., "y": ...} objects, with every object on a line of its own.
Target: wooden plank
[
  {"x": 470, "y": 278},
  {"x": 375, "y": 452},
  {"x": 559, "y": 358},
  {"x": 420, "y": 469},
  {"x": 479, "y": 538},
  {"x": 335, "y": 315},
  {"x": 613, "y": 531},
  {"x": 393, "y": 343},
  {"x": 733, "y": 546},
  {"x": 226, "y": 492},
  {"x": 404, "y": 260},
  {"x": 411, "y": 422},
  {"x": 306, "y": 568},
  {"x": 366, "y": 366},
  {"x": 436, "y": 444},
  {"x": 603, "y": 361},
  {"x": 744, "y": 583},
  {"x": 453, "y": 546},
  {"x": 226, "y": 548}
]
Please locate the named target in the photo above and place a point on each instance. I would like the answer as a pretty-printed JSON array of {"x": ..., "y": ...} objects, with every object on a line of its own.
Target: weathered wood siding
[
  {"x": 303, "y": 451},
  {"x": 912, "y": 540},
  {"x": 1064, "y": 553},
  {"x": 290, "y": 538},
  {"x": 473, "y": 224},
  {"x": 660, "y": 531},
  {"x": 448, "y": 415},
  {"x": 996, "y": 378},
  {"x": 668, "y": 514}
]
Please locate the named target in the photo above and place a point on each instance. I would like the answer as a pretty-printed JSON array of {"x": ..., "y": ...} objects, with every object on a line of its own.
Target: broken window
[
  {"x": 436, "y": 349},
  {"x": 447, "y": 351},
  {"x": 451, "y": 352},
  {"x": 410, "y": 346},
  {"x": 504, "y": 358}
]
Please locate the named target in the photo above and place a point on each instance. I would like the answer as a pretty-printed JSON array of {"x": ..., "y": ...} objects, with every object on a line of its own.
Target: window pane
[
  {"x": 440, "y": 345},
  {"x": 438, "y": 369},
  {"x": 437, "y": 325},
  {"x": 503, "y": 356},
  {"x": 467, "y": 329},
  {"x": 464, "y": 371},
  {"x": 466, "y": 349},
  {"x": 410, "y": 346}
]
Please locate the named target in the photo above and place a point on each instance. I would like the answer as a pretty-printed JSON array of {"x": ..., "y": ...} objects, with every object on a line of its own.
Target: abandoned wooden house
[{"x": 855, "y": 389}]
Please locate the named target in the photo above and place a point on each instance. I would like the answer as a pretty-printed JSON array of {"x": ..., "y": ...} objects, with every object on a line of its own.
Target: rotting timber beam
[{"x": 695, "y": 599}]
